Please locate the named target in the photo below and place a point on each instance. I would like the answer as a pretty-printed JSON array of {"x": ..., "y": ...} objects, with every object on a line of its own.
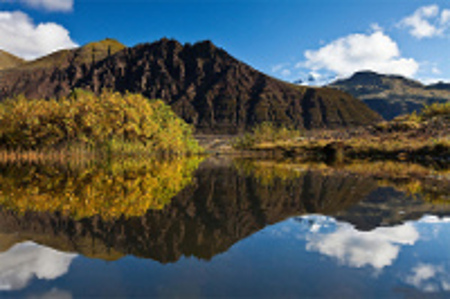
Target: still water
[{"x": 187, "y": 228}]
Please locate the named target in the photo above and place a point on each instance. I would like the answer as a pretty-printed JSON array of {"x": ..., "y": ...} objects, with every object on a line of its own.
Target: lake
[{"x": 234, "y": 228}]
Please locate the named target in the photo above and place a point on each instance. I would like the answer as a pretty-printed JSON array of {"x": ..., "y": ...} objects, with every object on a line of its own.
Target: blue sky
[{"x": 288, "y": 39}]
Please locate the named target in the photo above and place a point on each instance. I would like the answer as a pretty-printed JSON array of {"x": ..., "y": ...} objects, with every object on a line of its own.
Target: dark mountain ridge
[
  {"x": 392, "y": 95},
  {"x": 204, "y": 85}
]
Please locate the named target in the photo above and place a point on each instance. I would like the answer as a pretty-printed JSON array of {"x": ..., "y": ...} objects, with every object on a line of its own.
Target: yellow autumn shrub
[{"x": 95, "y": 120}]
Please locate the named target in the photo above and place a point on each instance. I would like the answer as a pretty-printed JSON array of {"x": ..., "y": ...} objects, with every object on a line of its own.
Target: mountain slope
[
  {"x": 203, "y": 84},
  {"x": 391, "y": 95},
  {"x": 88, "y": 54},
  {"x": 8, "y": 60}
]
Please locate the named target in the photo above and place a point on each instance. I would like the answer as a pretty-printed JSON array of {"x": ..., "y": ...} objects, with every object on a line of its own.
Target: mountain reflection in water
[{"x": 210, "y": 214}]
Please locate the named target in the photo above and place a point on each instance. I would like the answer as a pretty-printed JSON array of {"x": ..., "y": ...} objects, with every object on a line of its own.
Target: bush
[
  {"x": 97, "y": 121},
  {"x": 436, "y": 109},
  {"x": 265, "y": 132}
]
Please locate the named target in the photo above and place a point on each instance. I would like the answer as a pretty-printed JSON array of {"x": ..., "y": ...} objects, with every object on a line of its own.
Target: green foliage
[
  {"x": 265, "y": 132},
  {"x": 109, "y": 121}
]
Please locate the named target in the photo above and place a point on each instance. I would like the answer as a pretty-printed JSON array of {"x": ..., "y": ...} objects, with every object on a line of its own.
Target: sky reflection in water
[{"x": 257, "y": 248}]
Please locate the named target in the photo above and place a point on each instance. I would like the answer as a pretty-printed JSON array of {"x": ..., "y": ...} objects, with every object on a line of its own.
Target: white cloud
[
  {"x": 26, "y": 260},
  {"x": 282, "y": 69},
  {"x": 356, "y": 52},
  {"x": 376, "y": 27},
  {"x": 279, "y": 67},
  {"x": 378, "y": 248},
  {"x": 49, "y": 5},
  {"x": 285, "y": 73},
  {"x": 427, "y": 22},
  {"x": 429, "y": 278},
  {"x": 20, "y": 36},
  {"x": 445, "y": 17},
  {"x": 435, "y": 70}
]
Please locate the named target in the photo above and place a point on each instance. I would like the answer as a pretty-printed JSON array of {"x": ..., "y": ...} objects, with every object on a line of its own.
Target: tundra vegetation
[
  {"x": 423, "y": 136},
  {"x": 110, "y": 123}
]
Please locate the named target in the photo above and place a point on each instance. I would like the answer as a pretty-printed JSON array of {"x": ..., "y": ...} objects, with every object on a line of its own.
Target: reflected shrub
[{"x": 125, "y": 188}]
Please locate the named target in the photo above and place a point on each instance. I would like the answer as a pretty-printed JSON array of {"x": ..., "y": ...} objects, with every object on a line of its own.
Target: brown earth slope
[
  {"x": 8, "y": 60},
  {"x": 204, "y": 85}
]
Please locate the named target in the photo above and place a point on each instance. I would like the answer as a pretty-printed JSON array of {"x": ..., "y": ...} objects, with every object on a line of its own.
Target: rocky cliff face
[
  {"x": 204, "y": 85},
  {"x": 390, "y": 95}
]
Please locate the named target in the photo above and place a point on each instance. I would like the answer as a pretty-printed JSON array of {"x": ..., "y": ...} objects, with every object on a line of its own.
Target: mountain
[
  {"x": 8, "y": 60},
  {"x": 439, "y": 86},
  {"x": 204, "y": 85},
  {"x": 392, "y": 95}
]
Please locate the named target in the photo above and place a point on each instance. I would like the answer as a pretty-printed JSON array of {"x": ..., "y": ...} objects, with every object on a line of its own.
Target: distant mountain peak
[{"x": 392, "y": 95}]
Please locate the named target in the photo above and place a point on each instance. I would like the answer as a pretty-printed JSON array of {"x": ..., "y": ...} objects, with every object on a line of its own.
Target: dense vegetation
[
  {"x": 110, "y": 121},
  {"x": 121, "y": 188}
]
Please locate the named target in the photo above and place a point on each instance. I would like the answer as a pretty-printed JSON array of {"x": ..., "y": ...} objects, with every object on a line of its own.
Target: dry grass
[
  {"x": 80, "y": 153},
  {"x": 425, "y": 136}
]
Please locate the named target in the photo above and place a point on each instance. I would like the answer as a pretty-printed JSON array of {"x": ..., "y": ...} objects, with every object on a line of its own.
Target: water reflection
[
  {"x": 110, "y": 190},
  {"x": 232, "y": 228},
  {"x": 220, "y": 207},
  {"x": 27, "y": 260},
  {"x": 429, "y": 278},
  {"x": 377, "y": 248}
]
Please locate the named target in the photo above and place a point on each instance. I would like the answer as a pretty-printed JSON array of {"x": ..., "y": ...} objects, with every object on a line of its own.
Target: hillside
[
  {"x": 391, "y": 95},
  {"x": 8, "y": 60},
  {"x": 204, "y": 85},
  {"x": 88, "y": 54}
]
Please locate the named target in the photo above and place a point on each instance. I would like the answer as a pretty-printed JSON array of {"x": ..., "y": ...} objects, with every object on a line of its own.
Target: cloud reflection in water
[{"x": 27, "y": 260}]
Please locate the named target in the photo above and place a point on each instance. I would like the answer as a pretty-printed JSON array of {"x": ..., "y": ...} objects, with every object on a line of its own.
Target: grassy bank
[
  {"x": 105, "y": 124},
  {"x": 421, "y": 137}
]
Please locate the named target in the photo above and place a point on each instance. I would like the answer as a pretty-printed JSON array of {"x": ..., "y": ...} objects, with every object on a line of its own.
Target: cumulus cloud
[
  {"x": 21, "y": 36},
  {"x": 378, "y": 248},
  {"x": 282, "y": 69},
  {"x": 27, "y": 260},
  {"x": 427, "y": 21},
  {"x": 49, "y": 5},
  {"x": 356, "y": 52}
]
